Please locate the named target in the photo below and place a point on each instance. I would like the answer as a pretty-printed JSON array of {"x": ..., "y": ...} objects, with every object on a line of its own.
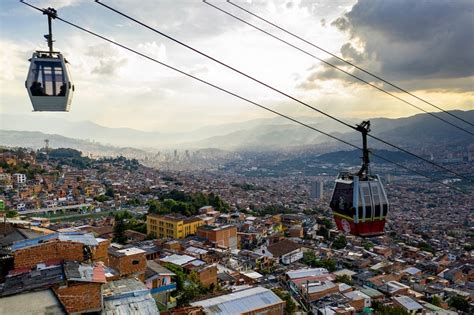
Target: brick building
[
  {"x": 223, "y": 236},
  {"x": 129, "y": 261}
]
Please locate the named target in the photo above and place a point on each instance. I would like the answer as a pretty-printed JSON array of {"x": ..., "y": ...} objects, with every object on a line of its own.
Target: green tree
[
  {"x": 340, "y": 242},
  {"x": 110, "y": 192},
  {"x": 344, "y": 279},
  {"x": 119, "y": 230},
  {"x": 381, "y": 309},
  {"x": 11, "y": 213},
  {"x": 436, "y": 300},
  {"x": 367, "y": 245},
  {"x": 459, "y": 303},
  {"x": 290, "y": 306}
]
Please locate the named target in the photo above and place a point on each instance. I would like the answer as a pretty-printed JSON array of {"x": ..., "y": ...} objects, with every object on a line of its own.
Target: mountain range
[{"x": 261, "y": 134}]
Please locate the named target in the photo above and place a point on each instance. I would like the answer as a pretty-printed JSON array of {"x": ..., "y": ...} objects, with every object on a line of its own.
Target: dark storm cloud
[{"x": 414, "y": 39}]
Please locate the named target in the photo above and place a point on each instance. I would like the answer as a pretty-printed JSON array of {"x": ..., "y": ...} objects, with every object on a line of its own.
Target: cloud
[
  {"x": 422, "y": 39},
  {"x": 107, "y": 60},
  {"x": 58, "y": 4},
  {"x": 423, "y": 44},
  {"x": 153, "y": 49}
]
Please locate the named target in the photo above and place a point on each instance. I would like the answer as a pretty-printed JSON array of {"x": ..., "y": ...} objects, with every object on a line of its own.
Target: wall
[
  {"x": 99, "y": 253},
  {"x": 292, "y": 257},
  {"x": 226, "y": 237},
  {"x": 276, "y": 309},
  {"x": 80, "y": 297},
  {"x": 125, "y": 265},
  {"x": 208, "y": 276},
  {"x": 54, "y": 250}
]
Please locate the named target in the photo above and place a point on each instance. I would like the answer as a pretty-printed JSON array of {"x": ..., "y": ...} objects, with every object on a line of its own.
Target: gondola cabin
[
  {"x": 359, "y": 206},
  {"x": 359, "y": 203},
  {"x": 49, "y": 82}
]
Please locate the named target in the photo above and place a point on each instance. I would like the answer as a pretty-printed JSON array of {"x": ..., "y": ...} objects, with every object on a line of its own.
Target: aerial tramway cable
[
  {"x": 278, "y": 91},
  {"x": 340, "y": 59},
  {"x": 247, "y": 100}
]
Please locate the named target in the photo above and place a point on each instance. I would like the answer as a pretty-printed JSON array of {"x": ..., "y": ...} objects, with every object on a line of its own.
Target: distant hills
[
  {"x": 262, "y": 134},
  {"x": 35, "y": 140}
]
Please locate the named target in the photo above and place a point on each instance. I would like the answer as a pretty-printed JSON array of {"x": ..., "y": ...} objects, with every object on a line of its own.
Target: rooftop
[
  {"x": 408, "y": 303},
  {"x": 179, "y": 260},
  {"x": 84, "y": 273},
  {"x": 283, "y": 247},
  {"x": 127, "y": 296},
  {"x": 239, "y": 302},
  {"x": 40, "y": 302},
  {"x": 306, "y": 272}
]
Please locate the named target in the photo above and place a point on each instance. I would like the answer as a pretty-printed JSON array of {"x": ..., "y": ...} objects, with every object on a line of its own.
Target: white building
[
  {"x": 285, "y": 251},
  {"x": 19, "y": 178}
]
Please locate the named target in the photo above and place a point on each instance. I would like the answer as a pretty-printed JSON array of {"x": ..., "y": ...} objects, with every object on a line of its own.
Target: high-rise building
[{"x": 316, "y": 190}]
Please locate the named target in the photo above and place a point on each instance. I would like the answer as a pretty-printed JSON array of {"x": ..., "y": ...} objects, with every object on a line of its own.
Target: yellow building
[{"x": 169, "y": 226}]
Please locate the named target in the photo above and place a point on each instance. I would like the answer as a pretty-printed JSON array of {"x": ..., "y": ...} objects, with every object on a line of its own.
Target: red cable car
[{"x": 359, "y": 202}]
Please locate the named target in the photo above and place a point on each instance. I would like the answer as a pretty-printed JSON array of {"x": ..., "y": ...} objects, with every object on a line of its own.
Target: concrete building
[
  {"x": 285, "y": 251},
  {"x": 316, "y": 190},
  {"x": 169, "y": 226}
]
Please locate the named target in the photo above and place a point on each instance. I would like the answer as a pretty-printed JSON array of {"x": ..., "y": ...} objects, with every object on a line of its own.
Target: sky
[{"x": 424, "y": 46}]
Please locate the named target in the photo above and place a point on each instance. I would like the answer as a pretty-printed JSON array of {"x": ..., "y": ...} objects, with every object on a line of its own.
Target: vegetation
[
  {"x": 436, "y": 300},
  {"x": 310, "y": 259},
  {"x": 124, "y": 220},
  {"x": 344, "y": 279},
  {"x": 188, "y": 286},
  {"x": 426, "y": 247},
  {"x": 381, "y": 309},
  {"x": 459, "y": 303},
  {"x": 340, "y": 242},
  {"x": 273, "y": 209},
  {"x": 367, "y": 244},
  {"x": 290, "y": 306},
  {"x": 119, "y": 230},
  {"x": 185, "y": 204}
]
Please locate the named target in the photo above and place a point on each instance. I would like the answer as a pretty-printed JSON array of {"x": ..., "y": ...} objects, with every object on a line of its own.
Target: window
[
  {"x": 47, "y": 79},
  {"x": 342, "y": 199},
  {"x": 135, "y": 262}
]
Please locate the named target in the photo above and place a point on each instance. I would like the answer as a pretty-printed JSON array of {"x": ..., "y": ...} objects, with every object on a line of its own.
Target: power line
[
  {"x": 276, "y": 90},
  {"x": 244, "y": 98},
  {"x": 349, "y": 63},
  {"x": 342, "y": 70}
]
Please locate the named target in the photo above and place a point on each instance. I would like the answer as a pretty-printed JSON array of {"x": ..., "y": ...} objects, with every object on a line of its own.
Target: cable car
[
  {"x": 359, "y": 202},
  {"x": 48, "y": 82}
]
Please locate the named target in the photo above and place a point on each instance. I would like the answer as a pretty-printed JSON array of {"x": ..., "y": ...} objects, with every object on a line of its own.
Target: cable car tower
[
  {"x": 359, "y": 202},
  {"x": 48, "y": 82}
]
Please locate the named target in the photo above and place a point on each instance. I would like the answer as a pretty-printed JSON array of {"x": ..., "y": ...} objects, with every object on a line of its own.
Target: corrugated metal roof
[
  {"x": 306, "y": 272},
  {"x": 408, "y": 303},
  {"x": 127, "y": 297},
  {"x": 84, "y": 273},
  {"x": 178, "y": 259},
  {"x": 239, "y": 302},
  {"x": 159, "y": 269},
  {"x": 86, "y": 239}
]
